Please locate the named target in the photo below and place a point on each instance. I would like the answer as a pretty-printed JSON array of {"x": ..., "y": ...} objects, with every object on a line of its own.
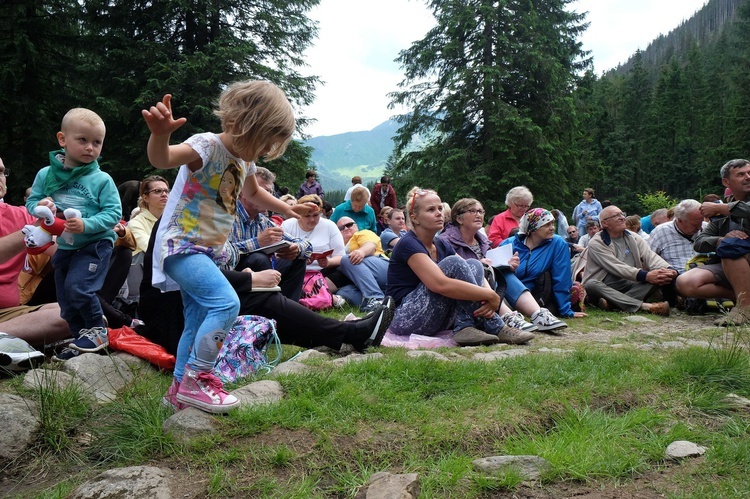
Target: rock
[
  {"x": 682, "y": 448},
  {"x": 698, "y": 343},
  {"x": 529, "y": 467},
  {"x": 259, "y": 392},
  {"x": 735, "y": 400},
  {"x": 47, "y": 378},
  {"x": 289, "y": 367},
  {"x": 499, "y": 354},
  {"x": 309, "y": 354},
  {"x": 426, "y": 353},
  {"x": 553, "y": 350},
  {"x": 18, "y": 419},
  {"x": 133, "y": 362},
  {"x": 671, "y": 344},
  {"x": 187, "y": 424},
  {"x": 637, "y": 318},
  {"x": 356, "y": 357},
  {"x": 100, "y": 375},
  {"x": 389, "y": 486},
  {"x": 136, "y": 482}
]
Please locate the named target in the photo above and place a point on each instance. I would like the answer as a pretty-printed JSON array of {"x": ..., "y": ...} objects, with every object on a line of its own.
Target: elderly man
[
  {"x": 252, "y": 229},
  {"x": 365, "y": 263},
  {"x": 650, "y": 222},
  {"x": 621, "y": 271},
  {"x": 727, "y": 235},
  {"x": 673, "y": 240},
  {"x": 40, "y": 324}
]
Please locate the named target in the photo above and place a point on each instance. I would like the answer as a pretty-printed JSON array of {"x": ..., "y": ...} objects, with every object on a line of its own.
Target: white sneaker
[
  {"x": 515, "y": 319},
  {"x": 545, "y": 321},
  {"x": 16, "y": 355}
]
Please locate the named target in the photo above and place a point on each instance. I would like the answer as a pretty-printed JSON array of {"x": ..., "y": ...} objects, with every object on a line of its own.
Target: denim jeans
[
  {"x": 79, "y": 275},
  {"x": 210, "y": 308},
  {"x": 369, "y": 276},
  {"x": 427, "y": 313},
  {"x": 514, "y": 287}
]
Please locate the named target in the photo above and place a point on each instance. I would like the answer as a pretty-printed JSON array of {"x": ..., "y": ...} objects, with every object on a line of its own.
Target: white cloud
[{"x": 359, "y": 40}]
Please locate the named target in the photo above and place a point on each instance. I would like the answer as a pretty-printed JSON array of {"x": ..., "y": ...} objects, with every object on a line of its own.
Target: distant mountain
[{"x": 338, "y": 158}]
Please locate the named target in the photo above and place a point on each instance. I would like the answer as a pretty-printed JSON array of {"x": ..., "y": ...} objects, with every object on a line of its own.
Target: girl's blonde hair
[{"x": 258, "y": 116}]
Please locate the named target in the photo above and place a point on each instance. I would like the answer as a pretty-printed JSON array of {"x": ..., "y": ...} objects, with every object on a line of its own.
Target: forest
[{"x": 500, "y": 93}]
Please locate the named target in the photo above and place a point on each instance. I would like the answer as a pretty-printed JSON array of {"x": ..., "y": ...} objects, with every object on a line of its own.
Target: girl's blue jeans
[{"x": 210, "y": 307}]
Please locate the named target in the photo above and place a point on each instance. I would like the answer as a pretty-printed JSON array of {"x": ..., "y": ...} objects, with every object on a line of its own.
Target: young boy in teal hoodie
[{"x": 73, "y": 180}]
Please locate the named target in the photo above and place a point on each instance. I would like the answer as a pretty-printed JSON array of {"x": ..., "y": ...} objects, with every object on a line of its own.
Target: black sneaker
[
  {"x": 66, "y": 353},
  {"x": 377, "y": 323}
]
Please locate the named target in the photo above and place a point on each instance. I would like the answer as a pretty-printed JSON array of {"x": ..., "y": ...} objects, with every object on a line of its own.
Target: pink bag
[{"x": 315, "y": 294}]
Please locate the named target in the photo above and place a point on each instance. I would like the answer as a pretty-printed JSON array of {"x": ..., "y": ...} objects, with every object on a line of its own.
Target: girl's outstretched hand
[
  {"x": 159, "y": 117},
  {"x": 303, "y": 209}
]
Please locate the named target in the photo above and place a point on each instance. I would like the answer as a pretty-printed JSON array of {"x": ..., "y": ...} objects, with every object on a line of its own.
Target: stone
[
  {"x": 290, "y": 367},
  {"x": 637, "y": 318},
  {"x": 189, "y": 423},
  {"x": 136, "y": 482},
  {"x": 135, "y": 363},
  {"x": 499, "y": 354},
  {"x": 682, "y": 448},
  {"x": 309, "y": 354},
  {"x": 47, "y": 378},
  {"x": 18, "y": 419},
  {"x": 385, "y": 485},
  {"x": 528, "y": 467},
  {"x": 736, "y": 401},
  {"x": 554, "y": 350},
  {"x": 259, "y": 392},
  {"x": 100, "y": 375},
  {"x": 426, "y": 353},
  {"x": 356, "y": 357}
]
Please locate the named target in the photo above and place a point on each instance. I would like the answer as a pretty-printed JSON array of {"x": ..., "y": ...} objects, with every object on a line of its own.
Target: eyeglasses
[
  {"x": 475, "y": 212},
  {"x": 616, "y": 215},
  {"x": 5, "y": 173},
  {"x": 342, "y": 228},
  {"x": 158, "y": 192},
  {"x": 524, "y": 206}
]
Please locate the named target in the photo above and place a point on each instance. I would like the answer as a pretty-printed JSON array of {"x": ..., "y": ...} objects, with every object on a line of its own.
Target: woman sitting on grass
[{"x": 435, "y": 289}]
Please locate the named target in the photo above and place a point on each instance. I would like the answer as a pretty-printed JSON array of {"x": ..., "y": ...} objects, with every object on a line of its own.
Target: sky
[{"x": 360, "y": 39}]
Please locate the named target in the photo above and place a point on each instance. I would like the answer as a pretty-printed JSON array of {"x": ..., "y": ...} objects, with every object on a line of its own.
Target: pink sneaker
[
  {"x": 170, "y": 399},
  {"x": 205, "y": 391}
]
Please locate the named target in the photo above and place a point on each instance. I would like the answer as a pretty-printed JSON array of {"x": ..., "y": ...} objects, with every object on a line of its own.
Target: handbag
[
  {"x": 245, "y": 349},
  {"x": 315, "y": 293}
]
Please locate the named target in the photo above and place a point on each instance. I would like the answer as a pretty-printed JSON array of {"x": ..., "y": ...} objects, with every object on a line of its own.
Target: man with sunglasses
[
  {"x": 365, "y": 263},
  {"x": 622, "y": 272}
]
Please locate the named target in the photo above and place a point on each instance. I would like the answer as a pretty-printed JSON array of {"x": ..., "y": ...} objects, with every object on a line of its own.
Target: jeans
[
  {"x": 426, "y": 313},
  {"x": 79, "y": 275},
  {"x": 369, "y": 276},
  {"x": 210, "y": 309},
  {"x": 514, "y": 287}
]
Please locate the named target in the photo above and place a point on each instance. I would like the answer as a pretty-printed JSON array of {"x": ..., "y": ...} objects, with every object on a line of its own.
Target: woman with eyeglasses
[
  {"x": 518, "y": 200},
  {"x": 435, "y": 289},
  {"x": 465, "y": 236},
  {"x": 153, "y": 197},
  {"x": 542, "y": 269}
]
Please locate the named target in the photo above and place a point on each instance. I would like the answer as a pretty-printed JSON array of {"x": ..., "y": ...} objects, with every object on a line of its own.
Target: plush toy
[{"x": 39, "y": 237}]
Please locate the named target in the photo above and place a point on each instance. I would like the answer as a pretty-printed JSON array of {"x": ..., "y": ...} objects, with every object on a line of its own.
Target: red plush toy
[{"x": 39, "y": 237}]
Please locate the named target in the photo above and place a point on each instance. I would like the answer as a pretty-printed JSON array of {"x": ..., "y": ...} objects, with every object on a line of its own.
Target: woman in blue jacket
[{"x": 544, "y": 260}]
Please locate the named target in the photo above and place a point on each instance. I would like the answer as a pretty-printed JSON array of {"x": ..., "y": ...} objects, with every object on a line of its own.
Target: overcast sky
[{"x": 359, "y": 40}]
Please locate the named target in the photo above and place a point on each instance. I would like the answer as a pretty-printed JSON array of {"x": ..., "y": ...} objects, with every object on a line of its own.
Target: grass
[{"x": 601, "y": 417}]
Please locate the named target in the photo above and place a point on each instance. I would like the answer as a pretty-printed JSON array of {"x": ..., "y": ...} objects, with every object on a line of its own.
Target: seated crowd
[{"x": 440, "y": 270}]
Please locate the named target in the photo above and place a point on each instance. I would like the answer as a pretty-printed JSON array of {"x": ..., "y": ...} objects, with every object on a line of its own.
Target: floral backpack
[
  {"x": 315, "y": 293},
  {"x": 245, "y": 349}
]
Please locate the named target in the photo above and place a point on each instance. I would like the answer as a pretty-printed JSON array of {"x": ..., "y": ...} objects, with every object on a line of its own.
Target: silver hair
[
  {"x": 685, "y": 207},
  {"x": 520, "y": 193},
  {"x": 265, "y": 174}
]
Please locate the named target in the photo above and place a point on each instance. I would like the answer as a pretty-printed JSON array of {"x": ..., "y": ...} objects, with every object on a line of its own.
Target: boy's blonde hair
[
  {"x": 80, "y": 114},
  {"x": 257, "y": 115},
  {"x": 360, "y": 194}
]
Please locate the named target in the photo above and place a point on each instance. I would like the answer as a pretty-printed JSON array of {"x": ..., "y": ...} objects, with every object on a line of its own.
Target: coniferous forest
[{"x": 500, "y": 93}]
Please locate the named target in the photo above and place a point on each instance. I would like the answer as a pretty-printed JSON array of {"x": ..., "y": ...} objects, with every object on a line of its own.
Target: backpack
[
  {"x": 315, "y": 294},
  {"x": 245, "y": 349}
]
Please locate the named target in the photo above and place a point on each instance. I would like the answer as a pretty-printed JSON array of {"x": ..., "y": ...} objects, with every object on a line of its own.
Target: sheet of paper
[{"x": 500, "y": 255}]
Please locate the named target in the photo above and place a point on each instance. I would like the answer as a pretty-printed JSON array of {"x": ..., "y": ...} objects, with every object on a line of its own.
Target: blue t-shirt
[{"x": 401, "y": 278}]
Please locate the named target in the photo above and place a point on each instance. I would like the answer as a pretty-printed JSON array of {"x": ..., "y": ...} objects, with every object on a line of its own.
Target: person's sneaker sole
[
  {"x": 551, "y": 328},
  {"x": 519, "y": 337},
  {"x": 384, "y": 320},
  {"x": 15, "y": 363}
]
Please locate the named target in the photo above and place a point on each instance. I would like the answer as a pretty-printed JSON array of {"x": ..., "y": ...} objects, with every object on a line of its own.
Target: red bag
[{"x": 127, "y": 340}]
